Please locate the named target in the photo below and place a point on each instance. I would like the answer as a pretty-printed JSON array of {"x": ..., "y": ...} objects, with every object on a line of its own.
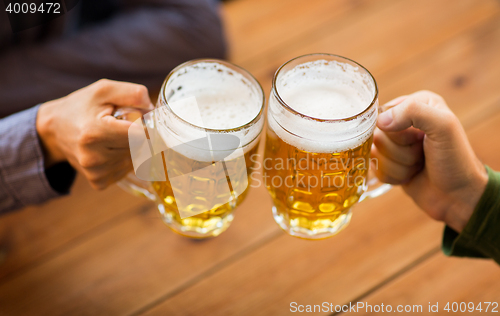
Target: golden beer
[
  {"x": 203, "y": 192},
  {"x": 321, "y": 117},
  {"x": 318, "y": 189}
]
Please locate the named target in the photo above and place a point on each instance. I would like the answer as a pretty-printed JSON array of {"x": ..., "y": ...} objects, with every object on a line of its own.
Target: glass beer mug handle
[
  {"x": 130, "y": 182},
  {"x": 376, "y": 188}
]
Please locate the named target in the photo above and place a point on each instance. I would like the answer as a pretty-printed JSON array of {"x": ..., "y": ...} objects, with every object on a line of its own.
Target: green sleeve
[{"x": 481, "y": 236}]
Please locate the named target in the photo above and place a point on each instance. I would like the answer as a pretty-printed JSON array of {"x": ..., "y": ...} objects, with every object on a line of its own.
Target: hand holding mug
[
  {"x": 422, "y": 146},
  {"x": 79, "y": 128}
]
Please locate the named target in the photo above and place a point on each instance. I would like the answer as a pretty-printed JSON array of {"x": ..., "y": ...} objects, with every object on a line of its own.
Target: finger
[
  {"x": 423, "y": 110},
  {"x": 393, "y": 103},
  {"x": 118, "y": 134},
  {"x": 102, "y": 176},
  {"x": 389, "y": 171},
  {"x": 117, "y": 176},
  {"x": 115, "y": 132},
  {"x": 405, "y": 155},
  {"x": 122, "y": 94},
  {"x": 128, "y": 113},
  {"x": 109, "y": 159},
  {"x": 405, "y": 137},
  {"x": 104, "y": 182}
]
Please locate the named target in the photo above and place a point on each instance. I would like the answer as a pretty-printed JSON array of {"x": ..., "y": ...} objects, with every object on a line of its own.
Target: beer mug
[
  {"x": 321, "y": 117},
  {"x": 194, "y": 160}
]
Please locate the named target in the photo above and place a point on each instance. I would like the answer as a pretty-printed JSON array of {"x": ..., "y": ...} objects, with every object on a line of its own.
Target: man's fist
[
  {"x": 422, "y": 146},
  {"x": 80, "y": 129}
]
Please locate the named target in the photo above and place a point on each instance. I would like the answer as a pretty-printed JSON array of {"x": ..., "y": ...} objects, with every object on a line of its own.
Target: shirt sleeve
[
  {"x": 481, "y": 236},
  {"x": 23, "y": 179}
]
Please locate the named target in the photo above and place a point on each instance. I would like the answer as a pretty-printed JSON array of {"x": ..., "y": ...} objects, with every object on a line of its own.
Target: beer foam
[
  {"x": 327, "y": 90},
  {"x": 210, "y": 95},
  {"x": 225, "y": 98}
]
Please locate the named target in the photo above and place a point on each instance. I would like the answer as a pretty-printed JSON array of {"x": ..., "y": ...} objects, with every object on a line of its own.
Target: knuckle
[
  {"x": 424, "y": 92},
  {"x": 435, "y": 96},
  {"x": 430, "y": 95},
  {"x": 139, "y": 93},
  {"x": 86, "y": 139},
  {"x": 88, "y": 136},
  {"x": 97, "y": 182},
  {"x": 449, "y": 120},
  {"x": 98, "y": 185},
  {"x": 103, "y": 83},
  {"x": 102, "y": 87},
  {"x": 438, "y": 98},
  {"x": 89, "y": 161},
  {"x": 141, "y": 90},
  {"x": 412, "y": 107}
]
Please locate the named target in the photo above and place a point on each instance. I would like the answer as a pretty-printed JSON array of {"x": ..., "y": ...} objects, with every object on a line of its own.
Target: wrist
[
  {"x": 45, "y": 127},
  {"x": 460, "y": 212}
]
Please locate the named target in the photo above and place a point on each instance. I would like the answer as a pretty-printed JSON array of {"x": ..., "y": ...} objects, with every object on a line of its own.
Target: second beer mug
[{"x": 321, "y": 117}]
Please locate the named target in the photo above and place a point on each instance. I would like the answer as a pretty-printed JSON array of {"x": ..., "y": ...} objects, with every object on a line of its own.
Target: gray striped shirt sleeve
[{"x": 22, "y": 175}]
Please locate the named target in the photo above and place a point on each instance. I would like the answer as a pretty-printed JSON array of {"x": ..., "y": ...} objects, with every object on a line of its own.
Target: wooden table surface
[{"x": 108, "y": 253}]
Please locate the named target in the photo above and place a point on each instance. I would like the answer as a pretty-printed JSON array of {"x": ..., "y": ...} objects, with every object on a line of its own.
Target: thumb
[{"x": 423, "y": 110}]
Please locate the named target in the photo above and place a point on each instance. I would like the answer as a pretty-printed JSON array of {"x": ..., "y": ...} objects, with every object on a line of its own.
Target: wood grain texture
[
  {"x": 441, "y": 280},
  {"x": 268, "y": 26},
  {"x": 381, "y": 38},
  {"x": 132, "y": 264},
  {"x": 464, "y": 70},
  {"x": 385, "y": 235},
  {"x": 39, "y": 231},
  {"x": 109, "y": 253}
]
